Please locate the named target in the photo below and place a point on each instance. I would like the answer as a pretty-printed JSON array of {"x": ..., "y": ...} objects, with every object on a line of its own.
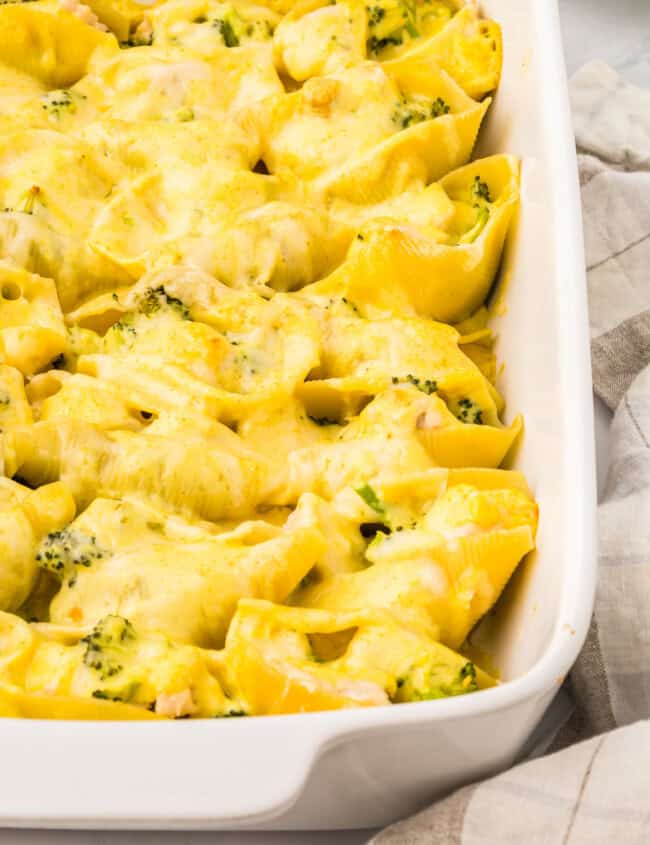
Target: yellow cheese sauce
[{"x": 250, "y": 433}]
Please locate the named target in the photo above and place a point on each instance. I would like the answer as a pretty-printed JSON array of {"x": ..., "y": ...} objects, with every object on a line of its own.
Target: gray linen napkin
[{"x": 597, "y": 789}]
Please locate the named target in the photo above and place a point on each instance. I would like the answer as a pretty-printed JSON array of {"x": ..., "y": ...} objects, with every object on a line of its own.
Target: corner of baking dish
[{"x": 262, "y": 741}]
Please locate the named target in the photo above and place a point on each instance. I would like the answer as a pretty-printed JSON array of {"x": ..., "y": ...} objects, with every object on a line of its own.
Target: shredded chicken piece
[
  {"x": 319, "y": 93},
  {"x": 84, "y": 13},
  {"x": 428, "y": 419},
  {"x": 176, "y": 704},
  {"x": 144, "y": 31}
]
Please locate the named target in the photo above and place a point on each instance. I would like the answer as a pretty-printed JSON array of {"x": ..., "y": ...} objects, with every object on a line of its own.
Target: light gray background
[{"x": 616, "y": 31}]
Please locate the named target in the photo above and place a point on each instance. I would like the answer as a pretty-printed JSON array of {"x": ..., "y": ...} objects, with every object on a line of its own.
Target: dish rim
[{"x": 323, "y": 730}]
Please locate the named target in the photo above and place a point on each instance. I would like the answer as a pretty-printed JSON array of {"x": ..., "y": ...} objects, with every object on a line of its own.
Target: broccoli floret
[
  {"x": 106, "y": 695},
  {"x": 469, "y": 412},
  {"x": 376, "y": 45},
  {"x": 425, "y": 385},
  {"x": 126, "y": 693},
  {"x": 480, "y": 190},
  {"x": 480, "y": 194},
  {"x": 405, "y": 115},
  {"x": 233, "y": 29},
  {"x": 440, "y": 679},
  {"x": 61, "y": 552},
  {"x": 107, "y": 646},
  {"x": 156, "y": 298},
  {"x": 100, "y": 693},
  {"x": 370, "y": 497},
  {"x": 413, "y": 110},
  {"x": 125, "y": 327},
  {"x": 259, "y": 30},
  {"x": 388, "y": 22},
  {"x": 225, "y": 28},
  {"x": 439, "y": 107},
  {"x": 60, "y": 102},
  {"x": 153, "y": 301},
  {"x": 376, "y": 14}
]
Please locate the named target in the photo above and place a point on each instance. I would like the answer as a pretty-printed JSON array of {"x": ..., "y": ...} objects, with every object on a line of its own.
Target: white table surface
[{"x": 616, "y": 32}]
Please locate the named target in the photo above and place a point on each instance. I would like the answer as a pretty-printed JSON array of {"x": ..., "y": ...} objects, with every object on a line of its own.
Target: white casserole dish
[{"x": 366, "y": 768}]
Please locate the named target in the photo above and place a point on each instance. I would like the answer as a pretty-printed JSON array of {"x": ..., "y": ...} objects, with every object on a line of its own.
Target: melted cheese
[{"x": 249, "y": 465}]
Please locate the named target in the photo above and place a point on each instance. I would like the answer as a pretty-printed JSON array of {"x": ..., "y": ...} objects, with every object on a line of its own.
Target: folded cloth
[
  {"x": 597, "y": 788},
  {"x": 612, "y": 124}
]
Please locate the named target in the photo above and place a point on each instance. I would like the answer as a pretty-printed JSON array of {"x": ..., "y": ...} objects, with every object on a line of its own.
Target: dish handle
[{"x": 173, "y": 775}]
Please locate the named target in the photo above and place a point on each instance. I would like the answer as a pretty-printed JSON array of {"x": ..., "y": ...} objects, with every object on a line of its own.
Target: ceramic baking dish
[{"x": 365, "y": 768}]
